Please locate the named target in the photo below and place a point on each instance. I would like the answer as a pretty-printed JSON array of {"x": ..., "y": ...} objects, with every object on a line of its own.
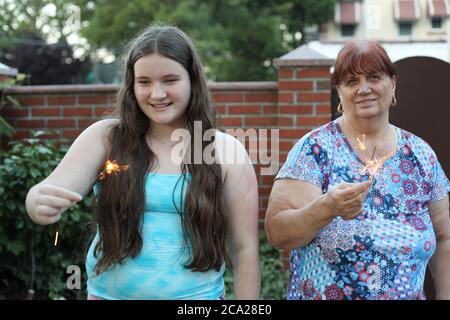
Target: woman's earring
[
  {"x": 340, "y": 108},
  {"x": 394, "y": 101}
]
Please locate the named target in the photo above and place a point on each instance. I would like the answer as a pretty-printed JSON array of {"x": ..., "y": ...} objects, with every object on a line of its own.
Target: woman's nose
[
  {"x": 364, "y": 87},
  {"x": 158, "y": 92}
]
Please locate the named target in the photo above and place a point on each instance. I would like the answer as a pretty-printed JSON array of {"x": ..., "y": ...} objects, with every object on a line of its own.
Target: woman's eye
[
  {"x": 374, "y": 76},
  {"x": 170, "y": 80}
]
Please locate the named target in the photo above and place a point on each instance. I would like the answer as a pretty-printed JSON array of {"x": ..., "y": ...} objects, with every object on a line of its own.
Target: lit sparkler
[{"x": 110, "y": 167}]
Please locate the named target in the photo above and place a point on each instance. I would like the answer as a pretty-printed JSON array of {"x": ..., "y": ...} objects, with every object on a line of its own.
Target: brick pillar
[{"x": 304, "y": 95}]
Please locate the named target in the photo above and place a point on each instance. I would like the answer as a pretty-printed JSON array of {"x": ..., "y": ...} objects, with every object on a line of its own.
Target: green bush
[
  {"x": 29, "y": 259},
  {"x": 274, "y": 276}
]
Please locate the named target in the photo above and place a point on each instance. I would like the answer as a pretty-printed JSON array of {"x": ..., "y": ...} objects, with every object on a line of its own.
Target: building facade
[{"x": 404, "y": 27}]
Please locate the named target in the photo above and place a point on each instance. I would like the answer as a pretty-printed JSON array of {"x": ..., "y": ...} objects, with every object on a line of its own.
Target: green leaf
[{"x": 15, "y": 247}]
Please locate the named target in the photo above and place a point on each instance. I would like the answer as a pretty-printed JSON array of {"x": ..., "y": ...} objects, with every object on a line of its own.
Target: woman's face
[
  {"x": 162, "y": 88},
  {"x": 366, "y": 95}
]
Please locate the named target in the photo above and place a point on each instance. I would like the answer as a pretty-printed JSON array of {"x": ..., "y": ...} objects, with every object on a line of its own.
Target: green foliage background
[{"x": 26, "y": 246}]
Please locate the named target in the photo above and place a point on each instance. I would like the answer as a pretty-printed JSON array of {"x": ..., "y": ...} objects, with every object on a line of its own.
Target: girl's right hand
[
  {"x": 51, "y": 201},
  {"x": 347, "y": 199}
]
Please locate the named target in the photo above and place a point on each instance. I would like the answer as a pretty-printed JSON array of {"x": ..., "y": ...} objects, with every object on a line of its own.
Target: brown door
[{"x": 423, "y": 108}]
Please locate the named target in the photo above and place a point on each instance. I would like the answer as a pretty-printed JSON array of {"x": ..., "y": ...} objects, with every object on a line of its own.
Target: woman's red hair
[{"x": 362, "y": 57}]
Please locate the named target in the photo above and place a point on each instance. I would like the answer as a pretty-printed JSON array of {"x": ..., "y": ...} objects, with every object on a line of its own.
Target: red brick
[
  {"x": 267, "y": 180},
  {"x": 296, "y": 109},
  {"x": 71, "y": 134},
  {"x": 49, "y": 136},
  {"x": 31, "y": 101},
  {"x": 269, "y": 109},
  {"x": 227, "y": 97},
  {"x": 287, "y": 97},
  {"x": 293, "y": 133},
  {"x": 93, "y": 99},
  {"x": 230, "y": 122},
  {"x": 295, "y": 85},
  {"x": 312, "y": 121},
  {"x": 244, "y": 109},
  {"x": 260, "y": 121},
  {"x": 46, "y": 112},
  {"x": 264, "y": 191},
  {"x": 61, "y": 100},
  {"x": 261, "y": 97},
  {"x": 286, "y": 145},
  {"x": 103, "y": 111},
  {"x": 84, "y": 123},
  {"x": 220, "y": 109},
  {"x": 313, "y": 97},
  {"x": 314, "y": 73},
  {"x": 323, "y": 108},
  {"x": 323, "y": 85},
  {"x": 285, "y": 73},
  {"x": 14, "y": 112},
  {"x": 285, "y": 121},
  {"x": 77, "y": 112},
  {"x": 30, "y": 124},
  {"x": 21, "y": 134},
  {"x": 61, "y": 123}
]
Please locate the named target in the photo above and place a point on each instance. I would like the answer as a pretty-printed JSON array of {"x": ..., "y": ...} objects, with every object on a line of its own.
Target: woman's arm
[
  {"x": 298, "y": 210},
  {"x": 73, "y": 177},
  {"x": 241, "y": 203},
  {"x": 440, "y": 262}
]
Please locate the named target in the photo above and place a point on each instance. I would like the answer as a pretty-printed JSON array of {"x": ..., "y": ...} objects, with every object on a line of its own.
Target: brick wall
[{"x": 296, "y": 103}]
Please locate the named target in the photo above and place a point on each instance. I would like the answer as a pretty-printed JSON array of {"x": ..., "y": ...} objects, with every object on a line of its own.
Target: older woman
[{"x": 362, "y": 203}]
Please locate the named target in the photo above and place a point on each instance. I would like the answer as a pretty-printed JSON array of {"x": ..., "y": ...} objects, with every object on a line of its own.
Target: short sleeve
[
  {"x": 306, "y": 161},
  {"x": 441, "y": 185}
]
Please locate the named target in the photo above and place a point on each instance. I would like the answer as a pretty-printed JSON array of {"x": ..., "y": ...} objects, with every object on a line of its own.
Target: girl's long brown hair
[{"x": 121, "y": 198}]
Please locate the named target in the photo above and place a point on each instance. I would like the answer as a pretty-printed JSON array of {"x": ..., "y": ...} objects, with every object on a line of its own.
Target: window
[
  {"x": 348, "y": 30},
  {"x": 405, "y": 28},
  {"x": 436, "y": 22}
]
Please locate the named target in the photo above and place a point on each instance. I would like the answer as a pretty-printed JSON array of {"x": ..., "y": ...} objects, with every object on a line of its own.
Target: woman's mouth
[{"x": 366, "y": 101}]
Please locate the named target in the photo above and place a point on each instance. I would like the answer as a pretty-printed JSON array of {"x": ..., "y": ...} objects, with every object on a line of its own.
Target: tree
[
  {"x": 237, "y": 39},
  {"x": 34, "y": 39},
  {"x": 45, "y": 63}
]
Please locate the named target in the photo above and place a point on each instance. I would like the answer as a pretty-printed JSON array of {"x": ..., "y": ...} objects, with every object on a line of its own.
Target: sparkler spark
[
  {"x": 361, "y": 143},
  {"x": 112, "y": 167},
  {"x": 56, "y": 238}
]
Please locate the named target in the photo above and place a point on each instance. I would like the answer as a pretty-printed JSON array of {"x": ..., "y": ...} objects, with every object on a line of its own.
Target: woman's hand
[
  {"x": 49, "y": 201},
  {"x": 347, "y": 199}
]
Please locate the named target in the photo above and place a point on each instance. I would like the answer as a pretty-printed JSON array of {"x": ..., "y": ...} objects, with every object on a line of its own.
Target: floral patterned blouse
[{"x": 383, "y": 253}]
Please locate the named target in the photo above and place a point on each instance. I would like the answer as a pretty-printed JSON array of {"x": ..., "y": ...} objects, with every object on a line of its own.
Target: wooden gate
[{"x": 423, "y": 108}]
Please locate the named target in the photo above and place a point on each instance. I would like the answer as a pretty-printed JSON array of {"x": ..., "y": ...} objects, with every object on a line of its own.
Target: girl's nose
[{"x": 158, "y": 92}]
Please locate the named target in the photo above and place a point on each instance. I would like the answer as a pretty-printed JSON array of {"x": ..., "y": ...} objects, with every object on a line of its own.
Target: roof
[
  {"x": 395, "y": 50},
  {"x": 7, "y": 71}
]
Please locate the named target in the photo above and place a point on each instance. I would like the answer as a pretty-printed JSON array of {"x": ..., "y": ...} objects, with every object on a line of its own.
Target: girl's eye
[
  {"x": 374, "y": 76},
  {"x": 351, "y": 81},
  {"x": 143, "y": 81},
  {"x": 170, "y": 80}
]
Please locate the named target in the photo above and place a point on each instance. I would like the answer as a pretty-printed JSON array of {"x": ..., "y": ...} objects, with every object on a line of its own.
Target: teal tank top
[{"x": 158, "y": 271}]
